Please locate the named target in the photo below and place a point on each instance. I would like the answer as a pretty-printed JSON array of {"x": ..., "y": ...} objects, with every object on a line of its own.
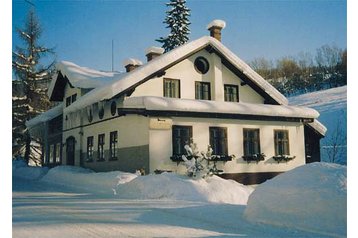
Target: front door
[{"x": 70, "y": 151}]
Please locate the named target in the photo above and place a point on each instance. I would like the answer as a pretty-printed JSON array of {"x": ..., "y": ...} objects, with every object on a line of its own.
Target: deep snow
[
  {"x": 75, "y": 202},
  {"x": 312, "y": 197}
]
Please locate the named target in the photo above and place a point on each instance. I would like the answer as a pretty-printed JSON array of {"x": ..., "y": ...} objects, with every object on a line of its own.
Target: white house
[{"x": 142, "y": 119}]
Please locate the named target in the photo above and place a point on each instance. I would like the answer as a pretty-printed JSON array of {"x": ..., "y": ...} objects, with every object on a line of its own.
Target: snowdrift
[
  {"x": 86, "y": 179},
  {"x": 312, "y": 198},
  {"x": 21, "y": 170},
  {"x": 168, "y": 186},
  {"x": 173, "y": 186}
]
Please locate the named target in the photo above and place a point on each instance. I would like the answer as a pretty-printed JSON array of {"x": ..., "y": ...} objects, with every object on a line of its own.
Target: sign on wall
[{"x": 160, "y": 123}]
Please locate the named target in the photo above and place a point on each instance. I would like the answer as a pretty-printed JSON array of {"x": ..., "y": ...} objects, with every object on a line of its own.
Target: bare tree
[{"x": 337, "y": 141}]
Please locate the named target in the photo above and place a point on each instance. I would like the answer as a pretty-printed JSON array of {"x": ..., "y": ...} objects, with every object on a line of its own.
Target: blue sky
[{"x": 82, "y": 31}]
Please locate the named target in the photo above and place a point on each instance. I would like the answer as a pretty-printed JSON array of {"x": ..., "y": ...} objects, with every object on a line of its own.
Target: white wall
[
  {"x": 218, "y": 75},
  {"x": 161, "y": 145}
]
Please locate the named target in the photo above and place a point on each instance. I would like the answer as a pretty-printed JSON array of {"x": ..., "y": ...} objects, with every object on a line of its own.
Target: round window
[
  {"x": 201, "y": 65},
  {"x": 113, "y": 108}
]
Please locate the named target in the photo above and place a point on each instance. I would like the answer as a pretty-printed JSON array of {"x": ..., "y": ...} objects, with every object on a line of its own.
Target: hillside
[{"x": 332, "y": 106}]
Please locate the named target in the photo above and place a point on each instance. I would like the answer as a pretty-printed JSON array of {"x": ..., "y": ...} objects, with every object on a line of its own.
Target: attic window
[
  {"x": 201, "y": 65},
  {"x": 89, "y": 114},
  {"x": 113, "y": 108},
  {"x": 100, "y": 110}
]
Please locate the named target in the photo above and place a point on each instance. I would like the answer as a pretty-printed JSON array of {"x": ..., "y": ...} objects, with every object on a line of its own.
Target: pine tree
[
  {"x": 177, "y": 20},
  {"x": 30, "y": 96}
]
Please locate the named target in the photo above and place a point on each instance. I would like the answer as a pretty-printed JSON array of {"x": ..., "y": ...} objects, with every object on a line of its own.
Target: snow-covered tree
[
  {"x": 30, "y": 98},
  {"x": 200, "y": 164},
  {"x": 177, "y": 20}
]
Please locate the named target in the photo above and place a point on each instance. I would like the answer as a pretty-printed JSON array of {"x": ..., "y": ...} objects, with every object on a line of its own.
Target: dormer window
[{"x": 201, "y": 65}]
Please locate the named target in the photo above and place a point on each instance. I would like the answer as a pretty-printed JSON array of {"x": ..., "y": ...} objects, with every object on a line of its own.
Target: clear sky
[{"x": 82, "y": 31}]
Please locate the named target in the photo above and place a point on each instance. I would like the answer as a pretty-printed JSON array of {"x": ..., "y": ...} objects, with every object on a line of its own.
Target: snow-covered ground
[
  {"x": 332, "y": 106},
  {"x": 74, "y": 202}
]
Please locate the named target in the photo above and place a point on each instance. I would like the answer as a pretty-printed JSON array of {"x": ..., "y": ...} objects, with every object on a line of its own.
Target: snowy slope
[{"x": 332, "y": 106}]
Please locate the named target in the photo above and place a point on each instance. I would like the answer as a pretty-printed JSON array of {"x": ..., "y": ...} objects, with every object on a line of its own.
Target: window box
[
  {"x": 214, "y": 158},
  {"x": 113, "y": 158},
  {"x": 255, "y": 157},
  {"x": 285, "y": 158}
]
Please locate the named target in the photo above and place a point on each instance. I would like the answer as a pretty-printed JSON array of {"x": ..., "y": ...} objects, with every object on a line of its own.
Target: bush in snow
[{"x": 194, "y": 161}]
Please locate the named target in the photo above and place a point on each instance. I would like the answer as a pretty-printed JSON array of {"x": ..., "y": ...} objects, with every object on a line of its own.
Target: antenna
[
  {"x": 30, "y": 3},
  {"x": 112, "y": 55}
]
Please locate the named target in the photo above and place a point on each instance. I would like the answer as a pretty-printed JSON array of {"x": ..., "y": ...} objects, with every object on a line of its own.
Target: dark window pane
[
  {"x": 281, "y": 142},
  {"x": 218, "y": 140},
  {"x": 251, "y": 142},
  {"x": 180, "y": 137},
  {"x": 202, "y": 91}
]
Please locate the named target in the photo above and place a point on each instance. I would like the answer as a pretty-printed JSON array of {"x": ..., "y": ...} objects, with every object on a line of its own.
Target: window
[
  {"x": 281, "y": 142},
  {"x": 89, "y": 113},
  {"x": 73, "y": 98},
  {"x": 113, "y": 108},
  {"x": 202, "y": 90},
  {"x": 171, "y": 88},
  {"x": 251, "y": 142},
  {"x": 58, "y": 153},
  {"x": 218, "y": 140},
  {"x": 201, "y": 65},
  {"x": 51, "y": 155},
  {"x": 100, "y": 110},
  {"x": 113, "y": 140},
  {"x": 68, "y": 101},
  {"x": 180, "y": 137},
  {"x": 90, "y": 148},
  {"x": 231, "y": 93},
  {"x": 100, "y": 147}
]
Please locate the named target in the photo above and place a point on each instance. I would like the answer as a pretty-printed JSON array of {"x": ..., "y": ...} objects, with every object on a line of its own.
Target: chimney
[
  {"x": 153, "y": 52},
  {"x": 131, "y": 64},
  {"x": 215, "y": 28}
]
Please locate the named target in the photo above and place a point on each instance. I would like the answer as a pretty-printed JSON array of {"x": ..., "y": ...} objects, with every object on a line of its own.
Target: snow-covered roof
[
  {"x": 154, "y": 49},
  {"x": 217, "y": 23},
  {"x": 131, "y": 61},
  {"x": 82, "y": 77},
  {"x": 46, "y": 116},
  {"x": 319, "y": 127},
  {"x": 156, "y": 65},
  {"x": 206, "y": 106}
]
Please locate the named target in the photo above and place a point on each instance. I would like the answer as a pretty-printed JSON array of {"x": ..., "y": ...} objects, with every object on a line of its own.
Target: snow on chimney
[
  {"x": 130, "y": 64},
  {"x": 215, "y": 28},
  {"x": 153, "y": 52}
]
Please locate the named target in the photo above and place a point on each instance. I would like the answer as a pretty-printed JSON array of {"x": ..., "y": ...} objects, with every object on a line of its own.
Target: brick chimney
[
  {"x": 215, "y": 28},
  {"x": 153, "y": 52},
  {"x": 131, "y": 64}
]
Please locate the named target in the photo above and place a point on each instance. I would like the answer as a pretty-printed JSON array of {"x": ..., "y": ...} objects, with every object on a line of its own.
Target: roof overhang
[{"x": 159, "y": 106}]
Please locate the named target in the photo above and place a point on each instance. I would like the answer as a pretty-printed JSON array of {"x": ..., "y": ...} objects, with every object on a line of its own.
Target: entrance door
[{"x": 70, "y": 151}]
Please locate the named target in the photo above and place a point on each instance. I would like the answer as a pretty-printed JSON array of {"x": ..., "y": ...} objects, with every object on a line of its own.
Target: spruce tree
[
  {"x": 30, "y": 88},
  {"x": 177, "y": 20}
]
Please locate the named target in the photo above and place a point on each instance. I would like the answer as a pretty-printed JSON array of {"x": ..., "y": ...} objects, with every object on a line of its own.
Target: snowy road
[{"x": 44, "y": 210}]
